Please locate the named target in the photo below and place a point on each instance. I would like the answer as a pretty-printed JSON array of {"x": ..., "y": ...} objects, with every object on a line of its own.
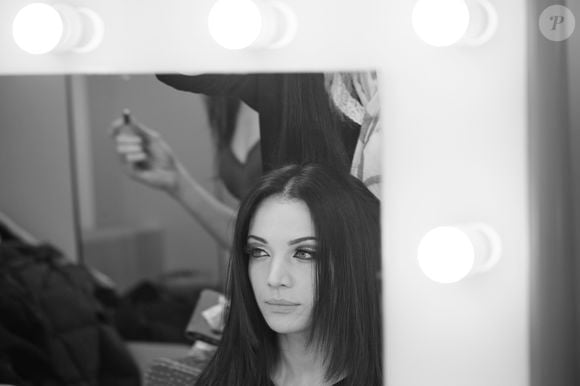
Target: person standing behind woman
[
  {"x": 297, "y": 119},
  {"x": 303, "y": 284},
  {"x": 236, "y": 133},
  {"x": 330, "y": 118},
  {"x": 302, "y": 117},
  {"x": 356, "y": 94}
]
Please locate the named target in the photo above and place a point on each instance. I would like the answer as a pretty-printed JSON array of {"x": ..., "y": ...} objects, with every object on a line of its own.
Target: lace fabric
[{"x": 356, "y": 95}]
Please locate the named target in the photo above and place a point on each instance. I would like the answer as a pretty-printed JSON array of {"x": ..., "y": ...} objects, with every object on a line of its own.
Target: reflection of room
[
  {"x": 128, "y": 231},
  {"x": 35, "y": 160},
  {"x": 114, "y": 212},
  {"x": 131, "y": 221}
]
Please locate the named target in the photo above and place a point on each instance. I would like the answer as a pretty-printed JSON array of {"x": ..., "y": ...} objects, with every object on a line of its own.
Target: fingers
[
  {"x": 131, "y": 148},
  {"x": 118, "y": 127},
  {"x": 146, "y": 131},
  {"x": 129, "y": 140},
  {"x": 139, "y": 147},
  {"x": 135, "y": 157}
]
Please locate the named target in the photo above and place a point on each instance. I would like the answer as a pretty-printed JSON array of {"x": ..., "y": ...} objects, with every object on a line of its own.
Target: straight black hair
[
  {"x": 311, "y": 124},
  {"x": 346, "y": 320}
]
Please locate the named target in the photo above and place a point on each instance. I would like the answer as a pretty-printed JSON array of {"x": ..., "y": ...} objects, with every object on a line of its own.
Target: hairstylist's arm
[
  {"x": 148, "y": 159},
  {"x": 242, "y": 86},
  {"x": 217, "y": 218}
]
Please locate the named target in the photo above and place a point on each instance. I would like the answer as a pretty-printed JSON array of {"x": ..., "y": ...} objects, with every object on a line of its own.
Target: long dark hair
[
  {"x": 222, "y": 114},
  {"x": 311, "y": 124},
  {"x": 346, "y": 320}
]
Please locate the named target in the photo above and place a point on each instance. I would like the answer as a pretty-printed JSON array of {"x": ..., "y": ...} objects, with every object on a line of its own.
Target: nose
[{"x": 279, "y": 274}]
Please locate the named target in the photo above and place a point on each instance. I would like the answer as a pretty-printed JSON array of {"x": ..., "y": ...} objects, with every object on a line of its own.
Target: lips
[{"x": 281, "y": 303}]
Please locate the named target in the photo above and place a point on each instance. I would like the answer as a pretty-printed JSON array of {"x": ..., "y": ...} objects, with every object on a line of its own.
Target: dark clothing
[
  {"x": 239, "y": 177},
  {"x": 158, "y": 309},
  {"x": 268, "y": 95},
  {"x": 339, "y": 383},
  {"x": 53, "y": 331}
]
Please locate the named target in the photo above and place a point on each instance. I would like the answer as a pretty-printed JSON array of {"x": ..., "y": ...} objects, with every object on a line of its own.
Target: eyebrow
[
  {"x": 291, "y": 242},
  {"x": 301, "y": 239}
]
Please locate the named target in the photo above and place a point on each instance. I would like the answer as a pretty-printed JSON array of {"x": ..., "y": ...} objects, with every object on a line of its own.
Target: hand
[{"x": 146, "y": 157}]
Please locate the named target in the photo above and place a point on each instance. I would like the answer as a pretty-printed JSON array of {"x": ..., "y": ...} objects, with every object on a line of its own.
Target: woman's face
[{"x": 282, "y": 246}]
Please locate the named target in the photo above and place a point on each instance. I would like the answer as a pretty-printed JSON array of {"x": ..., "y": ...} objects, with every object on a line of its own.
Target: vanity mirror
[{"x": 137, "y": 230}]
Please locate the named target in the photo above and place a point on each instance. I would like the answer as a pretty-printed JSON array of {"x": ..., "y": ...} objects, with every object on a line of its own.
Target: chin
[{"x": 285, "y": 326}]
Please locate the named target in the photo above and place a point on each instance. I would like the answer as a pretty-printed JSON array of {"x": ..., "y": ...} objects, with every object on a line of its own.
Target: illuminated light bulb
[
  {"x": 40, "y": 28},
  {"x": 37, "y": 28},
  {"x": 240, "y": 24},
  {"x": 448, "y": 254},
  {"x": 443, "y": 23}
]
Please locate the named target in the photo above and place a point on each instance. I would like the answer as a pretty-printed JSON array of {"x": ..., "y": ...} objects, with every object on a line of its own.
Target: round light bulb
[
  {"x": 440, "y": 23},
  {"x": 235, "y": 24},
  {"x": 448, "y": 254},
  {"x": 239, "y": 24},
  {"x": 38, "y": 28}
]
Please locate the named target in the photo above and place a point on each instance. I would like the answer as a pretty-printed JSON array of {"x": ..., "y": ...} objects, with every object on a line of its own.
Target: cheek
[
  {"x": 254, "y": 276},
  {"x": 308, "y": 297},
  {"x": 308, "y": 285}
]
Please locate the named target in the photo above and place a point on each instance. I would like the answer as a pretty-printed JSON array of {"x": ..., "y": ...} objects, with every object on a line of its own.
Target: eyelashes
[
  {"x": 300, "y": 253},
  {"x": 255, "y": 252},
  {"x": 305, "y": 254}
]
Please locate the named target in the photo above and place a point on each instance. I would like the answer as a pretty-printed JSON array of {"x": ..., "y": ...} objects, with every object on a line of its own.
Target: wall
[
  {"x": 573, "y": 93},
  {"x": 554, "y": 354},
  {"x": 35, "y": 175}
]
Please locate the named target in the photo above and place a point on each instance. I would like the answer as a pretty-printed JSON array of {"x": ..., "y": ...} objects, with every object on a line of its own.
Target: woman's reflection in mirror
[{"x": 303, "y": 284}]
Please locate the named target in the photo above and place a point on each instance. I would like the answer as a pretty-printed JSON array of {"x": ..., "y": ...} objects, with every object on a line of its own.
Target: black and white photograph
[{"x": 289, "y": 193}]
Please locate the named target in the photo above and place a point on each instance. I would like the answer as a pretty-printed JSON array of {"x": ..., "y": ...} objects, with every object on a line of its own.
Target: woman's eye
[
  {"x": 304, "y": 254},
  {"x": 256, "y": 252}
]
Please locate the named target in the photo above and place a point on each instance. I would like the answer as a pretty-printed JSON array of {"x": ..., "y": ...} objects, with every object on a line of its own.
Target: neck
[{"x": 299, "y": 364}]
